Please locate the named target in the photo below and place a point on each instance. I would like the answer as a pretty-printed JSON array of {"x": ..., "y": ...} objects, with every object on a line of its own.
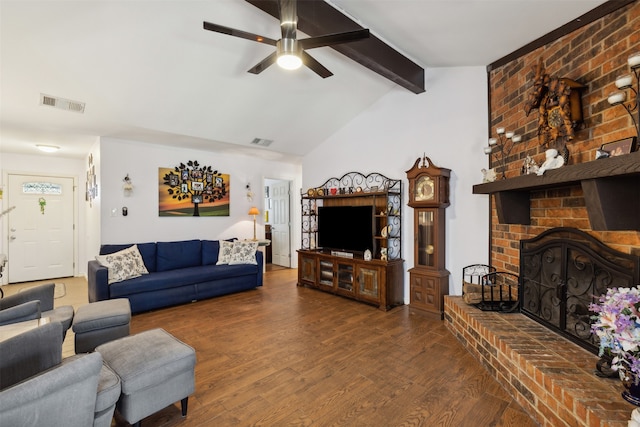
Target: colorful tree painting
[{"x": 193, "y": 190}]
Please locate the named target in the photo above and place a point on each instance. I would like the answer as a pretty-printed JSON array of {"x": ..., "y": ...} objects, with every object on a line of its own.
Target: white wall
[
  {"x": 142, "y": 224},
  {"x": 46, "y": 165},
  {"x": 448, "y": 123}
]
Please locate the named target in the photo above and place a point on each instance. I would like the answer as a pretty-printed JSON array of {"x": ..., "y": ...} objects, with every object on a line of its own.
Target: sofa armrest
[
  {"x": 98, "y": 281},
  {"x": 20, "y": 313},
  {"x": 260, "y": 259},
  {"x": 43, "y": 293},
  {"x": 30, "y": 353}
]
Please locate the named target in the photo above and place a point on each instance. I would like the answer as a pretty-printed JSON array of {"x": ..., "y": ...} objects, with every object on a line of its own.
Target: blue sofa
[{"x": 179, "y": 272}]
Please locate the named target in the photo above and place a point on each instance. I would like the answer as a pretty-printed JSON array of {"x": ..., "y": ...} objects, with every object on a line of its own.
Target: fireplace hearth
[{"x": 562, "y": 271}]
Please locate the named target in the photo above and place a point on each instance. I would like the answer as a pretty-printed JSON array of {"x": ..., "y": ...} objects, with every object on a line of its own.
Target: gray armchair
[
  {"x": 42, "y": 293},
  {"x": 39, "y": 388},
  {"x": 20, "y": 313},
  {"x": 30, "y": 353}
]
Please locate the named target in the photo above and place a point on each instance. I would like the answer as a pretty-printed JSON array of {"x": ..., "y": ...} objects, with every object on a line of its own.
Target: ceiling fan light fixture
[
  {"x": 289, "y": 54},
  {"x": 289, "y": 61}
]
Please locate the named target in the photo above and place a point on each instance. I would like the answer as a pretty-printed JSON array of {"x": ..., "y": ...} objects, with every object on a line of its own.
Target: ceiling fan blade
[
  {"x": 238, "y": 33},
  {"x": 331, "y": 39},
  {"x": 315, "y": 66},
  {"x": 264, "y": 64}
]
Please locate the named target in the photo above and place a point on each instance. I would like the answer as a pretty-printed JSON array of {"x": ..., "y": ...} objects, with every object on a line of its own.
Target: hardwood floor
[{"x": 283, "y": 355}]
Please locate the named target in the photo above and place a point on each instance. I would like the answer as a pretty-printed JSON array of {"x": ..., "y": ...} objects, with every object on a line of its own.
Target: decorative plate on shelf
[
  {"x": 311, "y": 192},
  {"x": 386, "y": 231},
  {"x": 320, "y": 192}
]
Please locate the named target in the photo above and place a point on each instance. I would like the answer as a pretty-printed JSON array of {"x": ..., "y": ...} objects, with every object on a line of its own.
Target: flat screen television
[{"x": 348, "y": 228}]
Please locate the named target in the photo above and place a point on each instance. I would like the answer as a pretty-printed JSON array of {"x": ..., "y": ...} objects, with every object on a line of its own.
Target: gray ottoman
[
  {"x": 155, "y": 370},
  {"x": 100, "y": 322}
]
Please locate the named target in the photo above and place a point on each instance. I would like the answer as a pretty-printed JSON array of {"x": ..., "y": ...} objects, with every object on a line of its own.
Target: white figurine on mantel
[
  {"x": 635, "y": 418},
  {"x": 488, "y": 175},
  {"x": 553, "y": 161},
  {"x": 529, "y": 166}
]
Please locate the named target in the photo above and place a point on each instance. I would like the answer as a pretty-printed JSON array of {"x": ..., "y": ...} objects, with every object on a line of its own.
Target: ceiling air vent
[
  {"x": 61, "y": 103},
  {"x": 262, "y": 142}
]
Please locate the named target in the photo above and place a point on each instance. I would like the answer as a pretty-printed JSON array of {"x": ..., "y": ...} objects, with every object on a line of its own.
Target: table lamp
[{"x": 254, "y": 211}]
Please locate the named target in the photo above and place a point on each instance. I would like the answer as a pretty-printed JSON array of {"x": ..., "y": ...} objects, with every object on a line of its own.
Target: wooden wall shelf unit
[
  {"x": 611, "y": 189},
  {"x": 378, "y": 281}
]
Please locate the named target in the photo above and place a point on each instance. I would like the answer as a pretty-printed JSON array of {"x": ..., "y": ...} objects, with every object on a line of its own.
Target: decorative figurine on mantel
[
  {"x": 488, "y": 175},
  {"x": 553, "y": 161},
  {"x": 529, "y": 166}
]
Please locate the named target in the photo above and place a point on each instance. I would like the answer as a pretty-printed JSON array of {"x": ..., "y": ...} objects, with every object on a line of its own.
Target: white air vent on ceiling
[
  {"x": 262, "y": 142},
  {"x": 61, "y": 103}
]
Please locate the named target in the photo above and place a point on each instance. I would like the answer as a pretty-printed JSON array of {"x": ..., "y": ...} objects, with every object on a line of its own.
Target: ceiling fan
[{"x": 290, "y": 52}]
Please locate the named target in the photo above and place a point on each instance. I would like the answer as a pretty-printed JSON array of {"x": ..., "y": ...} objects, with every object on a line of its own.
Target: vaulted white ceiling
[{"x": 147, "y": 71}]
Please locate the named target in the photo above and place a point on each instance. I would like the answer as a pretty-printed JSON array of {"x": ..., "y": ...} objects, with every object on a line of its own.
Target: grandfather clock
[{"x": 429, "y": 197}]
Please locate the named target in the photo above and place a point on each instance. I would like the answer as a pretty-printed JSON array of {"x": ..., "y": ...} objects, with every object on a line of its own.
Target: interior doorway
[
  {"x": 278, "y": 221},
  {"x": 41, "y": 227}
]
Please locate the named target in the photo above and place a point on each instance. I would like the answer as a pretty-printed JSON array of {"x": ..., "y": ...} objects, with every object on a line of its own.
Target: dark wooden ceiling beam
[{"x": 316, "y": 18}]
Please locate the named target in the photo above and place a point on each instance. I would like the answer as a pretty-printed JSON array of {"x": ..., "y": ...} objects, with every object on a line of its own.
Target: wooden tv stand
[
  {"x": 375, "y": 282},
  {"x": 379, "y": 281}
]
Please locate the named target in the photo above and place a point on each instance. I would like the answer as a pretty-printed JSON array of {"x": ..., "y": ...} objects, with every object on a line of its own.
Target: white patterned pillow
[
  {"x": 244, "y": 253},
  {"x": 124, "y": 264},
  {"x": 225, "y": 252}
]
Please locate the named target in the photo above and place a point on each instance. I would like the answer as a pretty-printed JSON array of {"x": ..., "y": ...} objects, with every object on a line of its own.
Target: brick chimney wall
[{"x": 594, "y": 55}]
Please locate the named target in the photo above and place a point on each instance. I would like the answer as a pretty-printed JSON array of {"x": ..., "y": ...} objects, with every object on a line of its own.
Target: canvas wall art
[{"x": 190, "y": 189}]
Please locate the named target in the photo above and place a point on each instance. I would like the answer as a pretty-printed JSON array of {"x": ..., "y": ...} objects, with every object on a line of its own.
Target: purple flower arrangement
[{"x": 617, "y": 325}]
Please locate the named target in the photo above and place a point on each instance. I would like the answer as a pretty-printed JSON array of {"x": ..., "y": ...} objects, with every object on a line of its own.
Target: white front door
[
  {"x": 40, "y": 227},
  {"x": 280, "y": 240}
]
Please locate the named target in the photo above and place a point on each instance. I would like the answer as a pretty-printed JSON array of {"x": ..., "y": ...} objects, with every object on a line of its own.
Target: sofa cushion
[
  {"x": 210, "y": 251},
  {"x": 226, "y": 247},
  {"x": 181, "y": 254},
  {"x": 244, "y": 253},
  {"x": 123, "y": 265},
  {"x": 147, "y": 250},
  {"x": 180, "y": 277}
]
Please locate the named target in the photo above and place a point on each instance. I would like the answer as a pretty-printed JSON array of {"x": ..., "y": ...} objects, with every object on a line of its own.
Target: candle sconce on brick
[{"x": 626, "y": 82}]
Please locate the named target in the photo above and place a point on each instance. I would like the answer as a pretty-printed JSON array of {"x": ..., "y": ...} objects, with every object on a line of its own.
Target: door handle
[
  {"x": 12, "y": 238},
  {"x": 13, "y": 230}
]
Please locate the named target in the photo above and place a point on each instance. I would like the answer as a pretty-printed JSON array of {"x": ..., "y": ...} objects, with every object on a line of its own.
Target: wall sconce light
[
  {"x": 254, "y": 211},
  {"x": 127, "y": 188},
  {"x": 626, "y": 82},
  {"x": 249, "y": 193},
  {"x": 501, "y": 147}
]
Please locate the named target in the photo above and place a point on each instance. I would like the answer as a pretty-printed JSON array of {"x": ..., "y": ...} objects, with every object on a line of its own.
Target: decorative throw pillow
[
  {"x": 225, "y": 252},
  {"x": 243, "y": 253},
  {"x": 124, "y": 264}
]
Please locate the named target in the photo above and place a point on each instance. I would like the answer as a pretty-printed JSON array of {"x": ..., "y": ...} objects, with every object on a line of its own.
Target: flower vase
[
  {"x": 632, "y": 392},
  {"x": 603, "y": 367}
]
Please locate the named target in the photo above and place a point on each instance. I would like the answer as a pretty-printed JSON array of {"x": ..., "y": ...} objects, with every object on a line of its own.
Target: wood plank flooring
[
  {"x": 289, "y": 356},
  {"x": 283, "y": 355}
]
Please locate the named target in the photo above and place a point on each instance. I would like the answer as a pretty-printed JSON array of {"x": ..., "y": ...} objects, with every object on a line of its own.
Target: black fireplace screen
[{"x": 562, "y": 271}]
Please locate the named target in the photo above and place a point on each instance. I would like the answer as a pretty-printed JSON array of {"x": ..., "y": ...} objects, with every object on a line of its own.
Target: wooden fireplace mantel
[{"x": 611, "y": 190}]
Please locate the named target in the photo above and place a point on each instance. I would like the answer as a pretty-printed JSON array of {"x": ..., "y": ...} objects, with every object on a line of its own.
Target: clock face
[
  {"x": 424, "y": 189},
  {"x": 554, "y": 117}
]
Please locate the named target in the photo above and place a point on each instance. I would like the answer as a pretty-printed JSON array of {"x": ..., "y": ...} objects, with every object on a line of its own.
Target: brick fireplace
[
  {"x": 550, "y": 377},
  {"x": 545, "y": 356},
  {"x": 547, "y": 373}
]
